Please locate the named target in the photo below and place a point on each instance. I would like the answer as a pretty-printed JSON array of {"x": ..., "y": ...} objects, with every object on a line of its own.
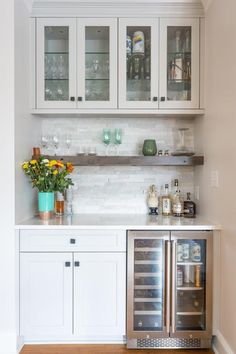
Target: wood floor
[{"x": 102, "y": 349}]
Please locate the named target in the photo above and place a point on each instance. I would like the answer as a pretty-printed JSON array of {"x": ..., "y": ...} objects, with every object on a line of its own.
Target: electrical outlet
[
  {"x": 197, "y": 192},
  {"x": 215, "y": 179}
]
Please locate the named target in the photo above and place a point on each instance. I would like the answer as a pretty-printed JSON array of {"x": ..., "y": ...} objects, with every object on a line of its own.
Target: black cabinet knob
[
  {"x": 155, "y": 99},
  {"x": 163, "y": 99},
  {"x": 77, "y": 264},
  {"x": 72, "y": 241},
  {"x": 72, "y": 98},
  {"x": 67, "y": 264},
  {"x": 80, "y": 98}
]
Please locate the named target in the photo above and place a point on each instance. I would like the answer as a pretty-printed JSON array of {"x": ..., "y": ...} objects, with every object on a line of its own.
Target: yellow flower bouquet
[{"x": 48, "y": 175}]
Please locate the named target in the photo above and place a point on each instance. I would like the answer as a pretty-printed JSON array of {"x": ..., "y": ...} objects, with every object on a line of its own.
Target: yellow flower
[
  {"x": 52, "y": 163},
  {"x": 33, "y": 162},
  {"x": 25, "y": 165},
  {"x": 55, "y": 172}
]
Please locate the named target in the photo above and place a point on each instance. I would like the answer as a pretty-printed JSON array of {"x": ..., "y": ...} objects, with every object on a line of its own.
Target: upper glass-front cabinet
[
  {"x": 56, "y": 63},
  {"x": 179, "y": 63},
  {"x": 97, "y": 63},
  {"x": 76, "y": 70},
  {"x": 138, "y": 60}
]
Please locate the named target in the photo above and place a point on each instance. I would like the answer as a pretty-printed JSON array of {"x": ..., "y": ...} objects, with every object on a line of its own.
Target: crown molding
[{"x": 117, "y": 9}]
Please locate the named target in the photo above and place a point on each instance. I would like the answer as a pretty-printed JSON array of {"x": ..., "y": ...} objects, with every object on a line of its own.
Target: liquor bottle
[
  {"x": 177, "y": 202},
  {"x": 189, "y": 207},
  {"x": 177, "y": 41},
  {"x": 166, "y": 202},
  {"x": 59, "y": 204}
]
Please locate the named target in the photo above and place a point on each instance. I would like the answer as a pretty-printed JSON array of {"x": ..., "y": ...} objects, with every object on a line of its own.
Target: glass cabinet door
[
  {"x": 56, "y": 52},
  {"x": 138, "y": 63},
  {"x": 191, "y": 274},
  {"x": 97, "y": 63},
  {"x": 179, "y": 63}
]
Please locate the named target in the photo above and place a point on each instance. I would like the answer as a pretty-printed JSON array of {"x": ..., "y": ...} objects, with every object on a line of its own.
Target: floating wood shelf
[{"x": 95, "y": 160}]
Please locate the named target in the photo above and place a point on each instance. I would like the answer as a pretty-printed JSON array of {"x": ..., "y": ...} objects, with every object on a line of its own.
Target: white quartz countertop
[{"x": 119, "y": 221}]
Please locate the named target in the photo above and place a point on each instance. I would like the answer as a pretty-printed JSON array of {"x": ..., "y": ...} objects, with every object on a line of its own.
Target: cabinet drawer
[{"x": 72, "y": 240}]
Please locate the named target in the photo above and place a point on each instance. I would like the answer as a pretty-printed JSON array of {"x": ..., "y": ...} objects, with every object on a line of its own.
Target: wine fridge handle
[
  {"x": 173, "y": 286},
  {"x": 168, "y": 277}
]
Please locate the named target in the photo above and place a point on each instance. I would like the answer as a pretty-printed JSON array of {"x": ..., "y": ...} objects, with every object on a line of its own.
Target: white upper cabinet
[
  {"x": 76, "y": 69},
  {"x": 138, "y": 63},
  {"x": 179, "y": 63},
  {"x": 120, "y": 65},
  {"x": 56, "y": 63},
  {"x": 97, "y": 63}
]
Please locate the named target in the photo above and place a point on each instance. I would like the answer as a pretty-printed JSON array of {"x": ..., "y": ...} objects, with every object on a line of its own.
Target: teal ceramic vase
[
  {"x": 149, "y": 147},
  {"x": 46, "y": 204}
]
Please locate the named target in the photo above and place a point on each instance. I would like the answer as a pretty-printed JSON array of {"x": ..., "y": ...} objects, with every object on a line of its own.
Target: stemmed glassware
[
  {"x": 55, "y": 141},
  {"x": 44, "y": 142},
  {"x": 117, "y": 139},
  {"x": 106, "y": 138},
  {"x": 68, "y": 142}
]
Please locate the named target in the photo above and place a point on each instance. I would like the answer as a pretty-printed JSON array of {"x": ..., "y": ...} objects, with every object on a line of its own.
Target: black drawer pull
[
  {"x": 77, "y": 264},
  {"x": 163, "y": 99},
  {"x": 80, "y": 98},
  {"x": 72, "y": 241},
  {"x": 155, "y": 99},
  {"x": 72, "y": 98},
  {"x": 67, "y": 264}
]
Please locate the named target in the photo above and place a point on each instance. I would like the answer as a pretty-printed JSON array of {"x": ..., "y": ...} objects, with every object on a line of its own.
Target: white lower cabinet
[
  {"x": 45, "y": 294},
  {"x": 72, "y": 296},
  {"x": 100, "y": 297}
]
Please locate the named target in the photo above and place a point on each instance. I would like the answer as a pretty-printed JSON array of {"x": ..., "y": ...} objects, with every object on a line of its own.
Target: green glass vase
[{"x": 149, "y": 147}]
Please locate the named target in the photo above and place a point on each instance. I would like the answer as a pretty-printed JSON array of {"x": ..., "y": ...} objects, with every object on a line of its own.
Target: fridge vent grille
[{"x": 169, "y": 343}]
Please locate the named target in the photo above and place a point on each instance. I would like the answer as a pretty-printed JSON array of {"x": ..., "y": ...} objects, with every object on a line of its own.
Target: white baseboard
[
  {"x": 8, "y": 343},
  {"x": 20, "y": 343},
  {"x": 220, "y": 345}
]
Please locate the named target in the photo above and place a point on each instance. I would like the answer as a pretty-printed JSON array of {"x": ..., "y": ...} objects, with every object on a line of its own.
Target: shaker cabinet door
[
  {"x": 138, "y": 63},
  {"x": 99, "y": 296},
  {"x": 56, "y": 63},
  {"x": 45, "y": 295},
  {"x": 179, "y": 63},
  {"x": 97, "y": 62}
]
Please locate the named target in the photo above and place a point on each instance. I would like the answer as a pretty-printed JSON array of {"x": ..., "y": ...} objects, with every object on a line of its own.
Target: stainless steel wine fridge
[{"x": 169, "y": 290}]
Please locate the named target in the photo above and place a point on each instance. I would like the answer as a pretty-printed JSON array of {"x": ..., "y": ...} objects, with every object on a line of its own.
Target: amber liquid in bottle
[{"x": 59, "y": 204}]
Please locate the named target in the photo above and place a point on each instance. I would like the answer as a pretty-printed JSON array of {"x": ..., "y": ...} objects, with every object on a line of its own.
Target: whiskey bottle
[
  {"x": 166, "y": 202},
  {"x": 189, "y": 207}
]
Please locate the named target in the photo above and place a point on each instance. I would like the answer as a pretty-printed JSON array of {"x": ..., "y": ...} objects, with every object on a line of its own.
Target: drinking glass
[
  {"x": 117, "y": 139},
  {"x": 106, "y": 138},
  {"x": 44, "y": 141},
  {"x": 68, "y": 141},
  {"x": 55, "y": 141}
]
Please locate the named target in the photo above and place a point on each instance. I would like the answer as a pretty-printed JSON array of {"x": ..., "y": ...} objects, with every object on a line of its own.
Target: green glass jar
[{"x": 149, "y": 147}]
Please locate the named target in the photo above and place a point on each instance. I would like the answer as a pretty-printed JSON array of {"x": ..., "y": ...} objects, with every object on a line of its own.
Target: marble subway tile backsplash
[{"x": 119, "y": 189}]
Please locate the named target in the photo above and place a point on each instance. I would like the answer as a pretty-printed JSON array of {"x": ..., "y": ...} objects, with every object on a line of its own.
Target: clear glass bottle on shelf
[{"x": 166, "y": 202}]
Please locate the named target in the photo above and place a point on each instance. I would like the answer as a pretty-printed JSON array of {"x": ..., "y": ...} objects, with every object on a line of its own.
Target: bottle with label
[
  {"x": 166, "y": 202},
  {"x": 59, "y": 204},
  {"x": 177, "y": 206},
  {"x": 189, "y": 207}
]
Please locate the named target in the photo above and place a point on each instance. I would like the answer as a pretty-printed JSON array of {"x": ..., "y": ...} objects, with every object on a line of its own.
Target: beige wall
[{"x": 218, "y": 136}]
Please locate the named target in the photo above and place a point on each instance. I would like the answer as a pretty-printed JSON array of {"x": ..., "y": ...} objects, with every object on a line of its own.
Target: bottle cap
[{"x": 166, "y": 185}]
